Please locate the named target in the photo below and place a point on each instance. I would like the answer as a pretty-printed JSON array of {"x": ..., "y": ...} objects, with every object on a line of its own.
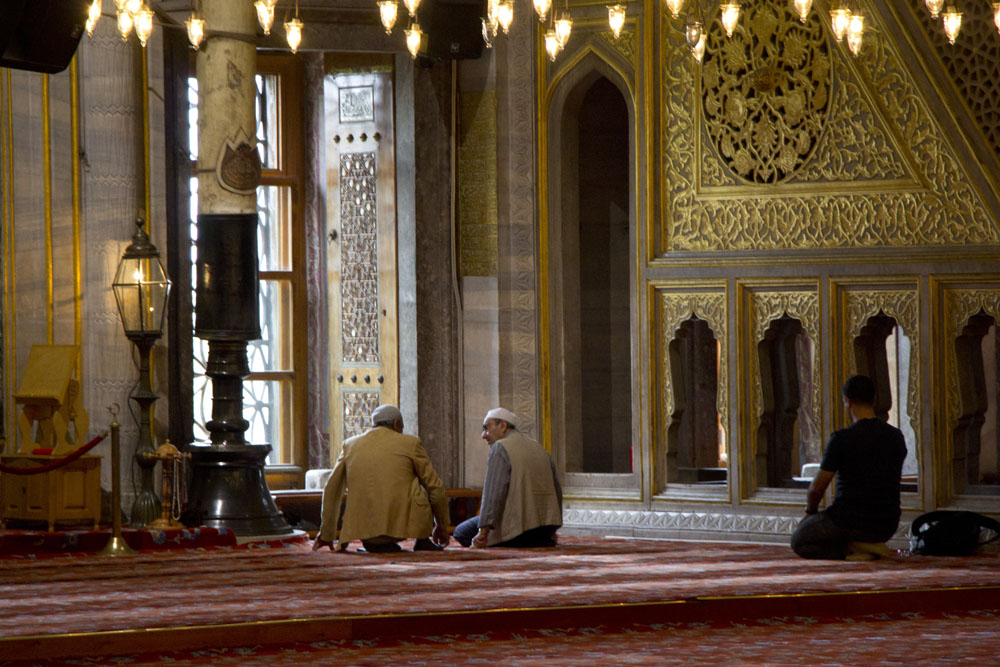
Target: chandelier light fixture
[
  {"x": 125, "y": 23},
  {"x": 563, "y": 27},
  {"x": 952, "y": 20},
  {"x": 143, "y": 24},
  {"x": 802, "y": 8},
  {"x": 996, "y": 15},
  {"x": 616, "y": 19},
  {"x": 729, "y": 15},
  {"x": 387, "y": 11},
  {"x": 552, "y": 44},
  {"x": 855, "y": 32},
  {"x": 265, "y": 14},
  {"x": 293, "y": 30},
  {"x": 195, "y": 25},
  {"x": 675, "y": 7},
  {"x": 542, "y": 8},
  {"x": 411, "y": 7},
  {"x": 934, "y": 7},
  {"x": 505, "y": 15},
  {"x": 413, "y": 38},
  {"x": 93, "y": 16}
]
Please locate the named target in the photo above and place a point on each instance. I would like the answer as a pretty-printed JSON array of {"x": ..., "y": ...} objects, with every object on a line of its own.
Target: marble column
[{"x": 229, "y": 489}]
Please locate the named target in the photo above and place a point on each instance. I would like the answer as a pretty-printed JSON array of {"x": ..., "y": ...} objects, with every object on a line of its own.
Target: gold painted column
[{"x": 229, "y": 489}]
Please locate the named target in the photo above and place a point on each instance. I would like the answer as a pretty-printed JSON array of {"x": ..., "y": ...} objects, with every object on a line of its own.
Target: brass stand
[
  {"x": 116, "y": 546},
  {"x": 170, "y": 455}
]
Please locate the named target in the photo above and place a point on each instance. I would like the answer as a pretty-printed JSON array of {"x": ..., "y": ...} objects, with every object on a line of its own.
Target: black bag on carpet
[{"x": 950, "y": 533}]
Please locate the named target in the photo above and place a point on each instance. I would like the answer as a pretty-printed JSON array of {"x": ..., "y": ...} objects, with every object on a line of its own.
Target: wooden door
[{"x": 361, "y": 250}]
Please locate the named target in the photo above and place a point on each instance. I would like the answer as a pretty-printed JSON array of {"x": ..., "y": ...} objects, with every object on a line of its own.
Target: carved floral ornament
[
  {"x": 766, "y": 93},
  {"x": 865, "y": 174}
]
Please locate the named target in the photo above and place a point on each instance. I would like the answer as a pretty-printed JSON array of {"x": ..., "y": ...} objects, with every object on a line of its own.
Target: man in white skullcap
[
  {"x": 393, "y": 492},
  {"x": 522, "y": 498}
]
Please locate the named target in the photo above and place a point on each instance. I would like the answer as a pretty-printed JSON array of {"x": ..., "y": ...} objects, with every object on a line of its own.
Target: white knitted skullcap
[
  {"x": 504, "y": 414},
  {"x": 386, "y": 413}
]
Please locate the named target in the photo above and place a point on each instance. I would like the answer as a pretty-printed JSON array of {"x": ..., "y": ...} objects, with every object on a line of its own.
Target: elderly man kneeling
[{"x": 393, "y": 492}]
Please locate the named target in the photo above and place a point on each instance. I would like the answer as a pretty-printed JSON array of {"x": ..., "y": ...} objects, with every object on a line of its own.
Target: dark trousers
[
  {"x": 542, "y": 536},
  {"x": 817, "y": 536}
]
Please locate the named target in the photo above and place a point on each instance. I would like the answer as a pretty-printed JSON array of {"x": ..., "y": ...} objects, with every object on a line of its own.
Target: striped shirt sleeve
[{"x": 495, "y": 486}]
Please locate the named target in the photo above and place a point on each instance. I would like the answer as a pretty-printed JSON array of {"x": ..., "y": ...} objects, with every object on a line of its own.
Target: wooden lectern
[{"x": 50, "y": 399}]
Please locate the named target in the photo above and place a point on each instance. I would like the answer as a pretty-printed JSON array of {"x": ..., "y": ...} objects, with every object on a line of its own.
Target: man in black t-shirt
[{"x": 867, "y": 460}]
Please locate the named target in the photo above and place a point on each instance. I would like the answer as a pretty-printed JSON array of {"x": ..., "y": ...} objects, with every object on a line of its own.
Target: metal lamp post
[{"x": 141, "y": 288}]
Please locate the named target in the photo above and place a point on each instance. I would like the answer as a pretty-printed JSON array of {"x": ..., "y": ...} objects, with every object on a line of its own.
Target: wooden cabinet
[{"x": 69, "y": 493}]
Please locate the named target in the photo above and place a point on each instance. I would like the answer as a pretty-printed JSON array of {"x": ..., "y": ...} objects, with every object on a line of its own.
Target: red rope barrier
[{"x": 52, "y": 465}]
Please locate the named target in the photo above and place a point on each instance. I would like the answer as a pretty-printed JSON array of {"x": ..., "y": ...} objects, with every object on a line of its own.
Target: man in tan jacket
[
  {"x": 522, "y": 498},
  {"x": 392, "y": 490}
]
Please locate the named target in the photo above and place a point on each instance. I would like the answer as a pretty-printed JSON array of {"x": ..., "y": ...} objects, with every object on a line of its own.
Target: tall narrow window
[{"x": 273, "y": 394}]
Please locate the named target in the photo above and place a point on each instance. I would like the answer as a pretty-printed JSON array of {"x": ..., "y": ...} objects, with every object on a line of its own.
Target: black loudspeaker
[
  {"x": 41, "y": 35},
  {"x": 453, "y": 28}
]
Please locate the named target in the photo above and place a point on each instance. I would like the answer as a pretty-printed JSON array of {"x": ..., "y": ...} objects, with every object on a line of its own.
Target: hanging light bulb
[
  {"x": 802, "y": 8},
  {"x": 693, "y": 30},
  {"x": 93, "y": 16},
  {"x": 552, "y": 44},
  {"x": 387, "y": 10},
  {"x": 729, "y": 15},
  {"x": 143, "y": 24},
  {"x": 616, "y": 19},
  {"x": 563, "y": 27},
  {"x": 293, "y": 33},
  {"x": 505, "y": 15},
  {"x": 675, "y": 7},
  {"x": 542, "y": 8},
  {"x": 855, "y": 32},
  {"x": 488, "y": 33},
  {"x": 413, "y": 38},
  {"x": 698, "y": 50},
  {"x": 125, "y": 24},
  {"x": 934, "y": 7},
  {"x": 411, "y": 6},
  {"x": 195, "y": 29},
  {"x": 133, "y": 7},
  {"x": 265, "y": 15},
  {"x": 952, "y": 23},
  {"x": 840, "y": 17},
  {"x": 996, "y": 15}
]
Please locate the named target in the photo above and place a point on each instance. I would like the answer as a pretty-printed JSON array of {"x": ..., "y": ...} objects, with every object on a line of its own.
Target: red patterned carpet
[{"x": 634, "y": 592}]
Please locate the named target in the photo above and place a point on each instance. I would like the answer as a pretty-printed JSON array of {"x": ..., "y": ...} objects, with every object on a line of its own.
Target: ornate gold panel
[
  {"x": 626, "y": 44},
  {"x": 858, "y": 303},
  {"x": 867, "y": 168},
  {"x": 974, "y": 71},
  {"x": 677, "y": 307},
  {"x": 477, "y": 184},
  {"x": 764, "y": 305}
]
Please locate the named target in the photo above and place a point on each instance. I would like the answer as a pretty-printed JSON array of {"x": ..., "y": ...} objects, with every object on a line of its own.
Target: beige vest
[{"x": 531, "y": 496}]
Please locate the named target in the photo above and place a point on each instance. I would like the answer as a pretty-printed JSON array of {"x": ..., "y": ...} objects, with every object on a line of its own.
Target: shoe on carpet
[{"x": 425, "y": 544}]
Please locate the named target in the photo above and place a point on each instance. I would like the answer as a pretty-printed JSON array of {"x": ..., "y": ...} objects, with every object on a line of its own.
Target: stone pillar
[{"x": 229, "y": 489}]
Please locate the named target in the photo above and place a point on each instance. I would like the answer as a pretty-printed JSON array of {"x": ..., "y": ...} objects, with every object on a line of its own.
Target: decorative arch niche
[
  {"x": 972, "y": 370},
  {"x": 695, "y": 380}
]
